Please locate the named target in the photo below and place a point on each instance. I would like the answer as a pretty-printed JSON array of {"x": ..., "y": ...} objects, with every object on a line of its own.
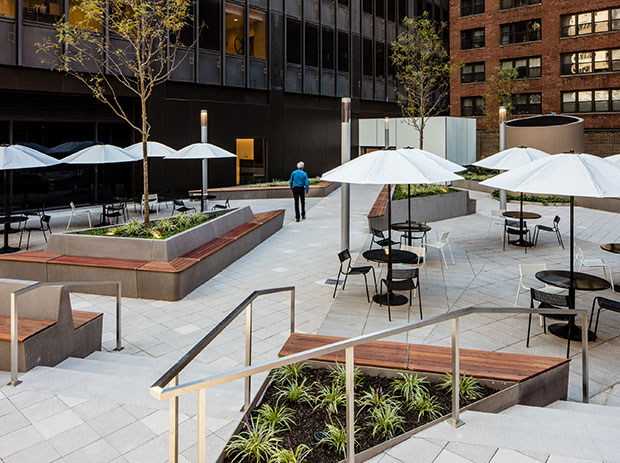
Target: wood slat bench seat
[
  {"x": 174, "y": 266},
  {"x": 379, "y": 207},
  {"x": 241, "y": 230},
  {"x": 101, "y": 262},
  {"x": 30, "y": 256},
  {"x": 431, "y": 359},
  {"x": 81, "y": 318},
  {"x": 202, "y": 252},
  {"x": 375, "y": 353},
  {"x": 26, "y": 327},
  {"x": 264, "y": 217}
]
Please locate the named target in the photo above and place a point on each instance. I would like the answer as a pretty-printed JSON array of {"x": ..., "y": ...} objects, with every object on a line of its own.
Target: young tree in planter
[
  {"x": 139, "y": 48},
  {"x": 423, "y": 70},
  {"x": 499, "y": 90}
]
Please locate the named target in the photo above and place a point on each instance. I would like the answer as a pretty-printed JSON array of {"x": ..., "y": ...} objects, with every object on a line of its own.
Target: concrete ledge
[{"x": 319, "y": 190}]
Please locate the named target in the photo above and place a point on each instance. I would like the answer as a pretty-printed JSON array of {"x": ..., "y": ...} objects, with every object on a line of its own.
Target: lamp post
[
  {"x": 345, "y": 156},
  {"x": 204, "y": 117},
  {"x": 387, "y": 132},
  {"x": 502, "y": 147}
]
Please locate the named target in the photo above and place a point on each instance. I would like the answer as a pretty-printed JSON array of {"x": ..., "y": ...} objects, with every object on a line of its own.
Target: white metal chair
[
  {"x": 75, "y": 212},
  {"x": 593, "y": 263},
  {"x": 496, "y": 218},
  {"x": 420, "y": 251},
  {"x": 153, "y": 203},
  {"x": 439, "y": 244},
  {"x": 530, "y": 270}
]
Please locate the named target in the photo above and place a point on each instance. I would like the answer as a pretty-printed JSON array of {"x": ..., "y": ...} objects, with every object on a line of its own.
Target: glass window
[
  {"x": 380, "y": 8},
  {"x": 568, "y": 24},
  {"x": 7, "y": 8},
  {"x": 527, "y": 103},
  {"x": 523, "y": 31},
  {"x": 343, "y": 52},
  {"x": 472, "y": 38},
  {"x": 210, "y": 33},
  {"x": 391, "y": 7},
  {"x": 312, "y": 45},
  {"x": 584, "y": 23},
  {"x": 367, "y": 6},
  {"x": 584, "y": 62},
  {"x": 584, "y": 102},
  {"x": 469, "y": 7},
  {"x": 402, "y": 10},
  {"x": 615, "y": 59},
  {"x": 601, "y": 21},
  {"x": 567, "y": 62},
  {"x": 293, "y": 41},
  {"x": 47, "y": 11},
  {"x": 77, "y": 17},
  {"x": 327, "y": 48},
  {"x": 601, "y": 100},
  {"x": 380, "y": 60},
  {"x": 472, "y": 106},
  {"x": 367, "y": 57},
  {"x": 615, "y": 100},
  {"x": 527, "y": 67},
  {"x": 569, "y": 102},
  {"x": 472, "y": 72},
  {"x": 258, "y": 34},
  {"x": 615, "y": 19},
  {"x": 535, "y": 66},
  {"x": 235, "y": 30},
  {"x": 601, "y": 61}
]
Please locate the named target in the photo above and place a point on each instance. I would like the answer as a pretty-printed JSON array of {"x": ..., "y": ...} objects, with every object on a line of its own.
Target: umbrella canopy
[
  {"x": 21, "y": 157},
  {"x": 201, "y": 151},
  {"x": 388, "y": 167},
  {"x": 154, "y": 149},
  {"x": 101, "y": 154},
  {"x": 70, "y": 147},
  {"x": 511, "y": 158},
  {"x": 417, "y": 154},
  {"x": 615, "y": 159}
]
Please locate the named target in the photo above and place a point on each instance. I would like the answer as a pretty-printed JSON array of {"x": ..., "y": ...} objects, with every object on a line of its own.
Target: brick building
[{"x": 566, "y": 51}]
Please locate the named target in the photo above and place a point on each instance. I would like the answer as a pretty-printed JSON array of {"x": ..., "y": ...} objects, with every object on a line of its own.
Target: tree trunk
[{"x": 145, "y": 166}]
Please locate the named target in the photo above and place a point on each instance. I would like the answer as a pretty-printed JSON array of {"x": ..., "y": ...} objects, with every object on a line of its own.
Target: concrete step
[
  {"x": 583, "y": 416},
  {"x": 139, "y": 360},
  {"x": 555, "y": 435},
  {"x": 593, "y": 409}
]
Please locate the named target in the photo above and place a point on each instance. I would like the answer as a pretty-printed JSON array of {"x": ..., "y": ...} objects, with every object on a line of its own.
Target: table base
[
  {"x": 395, "y": 299},
  {"x": 522, "y": 243},
  {"x": 617, "y": 287},
  {"x": 8, "y": 250},
  {"x": 561, "y": 330},
  {"x": 13, "y": 230}
]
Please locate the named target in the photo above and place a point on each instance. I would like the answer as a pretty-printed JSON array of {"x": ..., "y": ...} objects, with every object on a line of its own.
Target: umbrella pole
[
  {"x": 409, "y": 213},
  {"x": 521, "y": 220},
  {"x": 6, "y": 211},
  {"x": 571, "y": 288}
]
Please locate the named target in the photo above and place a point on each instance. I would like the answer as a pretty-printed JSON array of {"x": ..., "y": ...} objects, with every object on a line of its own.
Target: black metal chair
[
  {"x": 549, "y": 301},
  {"x": 44, "y": 225},
  {"x": 115, "y": 212},
  {"x": 379, "y": 238},
  {"x": 179, "y": 206},
  {"x": 553, "y": 228},
  {"x": 402, "y": 280},
  {"x": 603, "y": 304},
  {"x": 345, "y": 256},
  {"x": 226, "y": 205},
  {"x": 513, "y": 228}
]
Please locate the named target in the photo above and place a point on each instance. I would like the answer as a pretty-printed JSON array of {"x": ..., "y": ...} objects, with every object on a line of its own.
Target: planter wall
[
  {"x": 319, "y": 190},
  {"x": 428, "y": 209},
  {"x": 114, "y": 247}
]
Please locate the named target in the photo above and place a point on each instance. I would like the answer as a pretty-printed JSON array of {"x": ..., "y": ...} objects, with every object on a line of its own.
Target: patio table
[
  {"x": 395, "y": 257},
  {"x": 521, "y": 215},
  {"x": 615, "y": 248},
  {"x": 581, "y": 282},
  {"x": 412, "y": 227},
  {"x": 6, "y": 221}
]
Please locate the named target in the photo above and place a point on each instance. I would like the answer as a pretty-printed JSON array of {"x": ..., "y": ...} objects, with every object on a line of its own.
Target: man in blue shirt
[{"x": 299, "y": 186}]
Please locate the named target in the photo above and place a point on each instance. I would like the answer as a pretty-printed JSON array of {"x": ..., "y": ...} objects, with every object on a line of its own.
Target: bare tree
[
  {"x": 423, "y": 70},
  {"x": 143, "y": 54},
  {"x": 499, "y": 90}
]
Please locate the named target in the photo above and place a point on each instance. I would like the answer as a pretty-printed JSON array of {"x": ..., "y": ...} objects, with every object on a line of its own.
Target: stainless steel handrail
[
  {"x": 69, "y": 284},
  {"x": 174, "y": 390},
  {"x": 171, "y": 377}
]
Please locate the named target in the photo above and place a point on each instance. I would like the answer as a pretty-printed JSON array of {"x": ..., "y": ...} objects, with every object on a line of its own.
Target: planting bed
[{"x": 309, "y": 417}]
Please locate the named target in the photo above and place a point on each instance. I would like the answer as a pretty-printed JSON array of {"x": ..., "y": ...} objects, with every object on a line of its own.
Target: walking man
[{"x": 301, "y": 188}]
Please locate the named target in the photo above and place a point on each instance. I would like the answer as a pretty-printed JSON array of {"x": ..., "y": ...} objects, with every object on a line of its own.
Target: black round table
[
  {"x": 412, "y": 227},
  {"x": 395, "y": 257},
  {"x": 525, "y": 216},
  {"x": 6, "y": 221},
  {"x": 582, "y": 282},
  {"x": 615, "y": 248}
]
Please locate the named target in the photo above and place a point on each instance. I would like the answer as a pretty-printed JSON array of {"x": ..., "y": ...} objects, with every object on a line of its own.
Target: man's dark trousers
[{"x": 299, "y": 193}]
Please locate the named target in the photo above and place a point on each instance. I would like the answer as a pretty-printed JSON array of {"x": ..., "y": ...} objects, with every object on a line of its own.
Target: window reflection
[
  {"x": 235, "y": 30},
  {"x": 78, "y": 18},
  {"x": 43, "y": 11},
  {"x": 258, "y": 36},
  {"x": 293, "y": 41},
  {"x": 210, "y": 32},
  {"x": 312, "y": 45},
  {"x": 328, "y": 48},
  {"x": 7, "y": 8}
]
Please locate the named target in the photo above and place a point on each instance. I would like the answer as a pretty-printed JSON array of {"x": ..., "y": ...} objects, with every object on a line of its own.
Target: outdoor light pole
[
  {"x": 205, "y": 165},
  {"x": 345, "y": 156},
  {"x": 502, "y": 147}
]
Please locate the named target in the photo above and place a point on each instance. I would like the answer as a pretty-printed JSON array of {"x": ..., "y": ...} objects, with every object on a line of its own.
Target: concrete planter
[
  {"x": 428, "y": 209},
  {"x": 114, "y": 247},
  {"x": 319, "y": 190}
]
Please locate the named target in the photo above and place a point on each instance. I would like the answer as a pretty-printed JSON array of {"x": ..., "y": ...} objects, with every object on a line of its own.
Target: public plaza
[{"x": 98, "y": 409}]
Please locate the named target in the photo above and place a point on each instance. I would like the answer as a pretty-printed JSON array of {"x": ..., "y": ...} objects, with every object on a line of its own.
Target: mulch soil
[{"x": 309, "y": 420}]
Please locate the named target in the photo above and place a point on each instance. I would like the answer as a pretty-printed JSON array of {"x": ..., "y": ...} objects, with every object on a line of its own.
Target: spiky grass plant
[
  {"x": 254, "y": 444},
  {"x": 299, "y": 455},
  {"x": 330, "y": 398},
  {"x": 409, "y": 386},
  {"x": 469, "y": 388},
  {"x": 386, "y": 421},
  {"x": 427, "y": 406},
  {"x": 295, "y": 393},
  {"x": 376, "y": 398},
  {"x": 335, "y": 438},
  {"x": 288, "y": 374},
  {"x": 339, "y": 376},
  {"x": 279, "y": 417}
]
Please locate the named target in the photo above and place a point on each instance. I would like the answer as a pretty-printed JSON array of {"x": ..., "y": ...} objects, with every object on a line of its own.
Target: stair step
[
  {"x": 552, "y": 436},
  {"x": 127, "y": 359},
  {"x": 554, "y": 414},
  {"x": 603, "y": 410}
]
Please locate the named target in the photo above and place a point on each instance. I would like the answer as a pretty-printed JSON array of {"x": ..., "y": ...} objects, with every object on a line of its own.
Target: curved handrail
[{"x": 169, "y": 375}]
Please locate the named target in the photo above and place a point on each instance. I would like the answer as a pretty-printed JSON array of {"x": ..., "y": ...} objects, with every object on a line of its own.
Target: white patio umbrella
[
  {"x": 387, "y": 167},
  {"x": 204, "y": 151},
  {"x": 615, "y": 159},
  {"x": 154, "y": 149},
  {"x": 13, "y": 157},
  {"x": 564, "y": 175},
  {"x": 418, "y": 155},
  {"x": 101, "y": 154}
]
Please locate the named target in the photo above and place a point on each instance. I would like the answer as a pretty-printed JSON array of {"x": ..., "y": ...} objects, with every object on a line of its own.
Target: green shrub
[
  {"x": 255, "y": 444},
  {"x": 289, "y": 374},
  {"x": 410, "y": 387},
  {"x": 469, "y": 388},
  {"x": 295, "y": 393},
  {"x": 279, "y": 417},
  {"x": 298, "y": 455},
  {"x": 331, "y": 397},
  {"x": 478, "y": 174},
  {"x": 336, "y": 439},
  {"x": 544, "y": 200},
  {"x": 339, "y": 375},
  {"x": 427, "y": 406},
  {"x": 417, "y": 191},
  {"x": 387, "y": 420}
]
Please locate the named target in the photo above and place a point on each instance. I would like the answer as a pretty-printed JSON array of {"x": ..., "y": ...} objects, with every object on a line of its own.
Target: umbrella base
[
  {"x": 522, "y": 243},
  {"x": 561, "y": 330},
  {"x": 395, "y": 299},
  {"x": 8, "y": 250},
  {"x": 617, "y": 287}
]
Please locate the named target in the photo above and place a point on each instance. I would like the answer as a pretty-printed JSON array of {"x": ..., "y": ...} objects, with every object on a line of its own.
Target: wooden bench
[
  {"x": 99, "y": 262},
  {"x": 28, "y": 327},
  {"x": 264, "y": 217},
  {"x": 174, "y": 266},
  {"x": 379, "y": 207},
  {"x": 38, "y": 255},
  {"x": 241, "y": 230},
  {"x": 204, "y": 251},
  {"x": 432, "y": 359},
  {"x": 81, "y": 318}
]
